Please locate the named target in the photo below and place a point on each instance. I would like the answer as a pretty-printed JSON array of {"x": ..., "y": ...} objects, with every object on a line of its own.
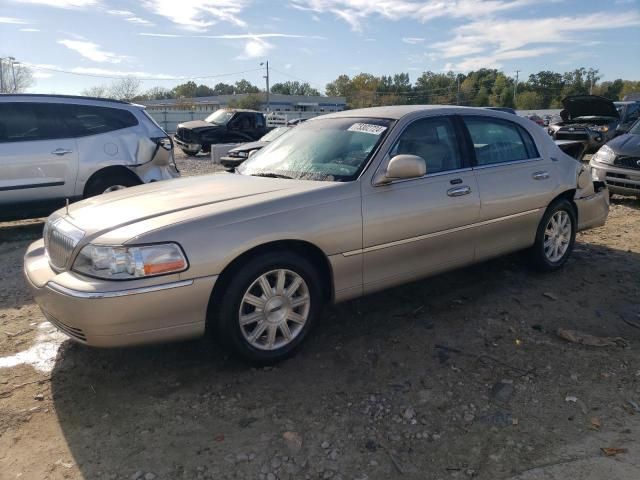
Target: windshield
[
  {"x": 332, "y": 149},
  {"x": 219, "y": 116},
  {"x": 635, "y": 128},
  {"x": 275, "y": 133}
]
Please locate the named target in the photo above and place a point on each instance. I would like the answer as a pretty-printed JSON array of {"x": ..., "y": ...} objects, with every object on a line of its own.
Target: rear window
[
  {"x": 85, "y": 120},
  {"x": 499, "y": 141},
  {"x": 26, "y": 121}
]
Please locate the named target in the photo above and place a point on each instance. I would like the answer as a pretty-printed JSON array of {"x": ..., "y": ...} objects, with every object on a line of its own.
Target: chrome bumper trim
[{"x": 117, "y": 293}]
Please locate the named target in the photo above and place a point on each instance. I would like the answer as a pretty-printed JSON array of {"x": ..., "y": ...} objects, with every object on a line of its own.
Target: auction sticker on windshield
[{"x": 367, "y": 128}]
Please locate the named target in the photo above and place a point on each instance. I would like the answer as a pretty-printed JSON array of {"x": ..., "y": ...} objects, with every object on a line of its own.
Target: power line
[{"x": 117, "y": 77}]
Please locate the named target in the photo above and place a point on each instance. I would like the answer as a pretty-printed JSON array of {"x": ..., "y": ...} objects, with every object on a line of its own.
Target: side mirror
[{"x": 403, "y": 167}]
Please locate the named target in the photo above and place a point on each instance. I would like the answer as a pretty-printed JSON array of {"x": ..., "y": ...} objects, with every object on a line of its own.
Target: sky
[{"x": 74, "y": 44}]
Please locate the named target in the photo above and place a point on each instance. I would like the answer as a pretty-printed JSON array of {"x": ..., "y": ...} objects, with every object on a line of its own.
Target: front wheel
[
  {"x": 269, "y": 307},
  {"x": 191, "y": 153},
  {"x": 555, "y": 237}
]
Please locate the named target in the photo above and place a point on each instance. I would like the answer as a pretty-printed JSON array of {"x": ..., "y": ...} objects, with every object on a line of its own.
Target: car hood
[
  {"x": 198, "y": 125},
  {"x": 627, "y": 145},
  {"x": 180, "y": 196},
  {"x": 249, "y": 146},
  {"x": 589, "y": 106}
]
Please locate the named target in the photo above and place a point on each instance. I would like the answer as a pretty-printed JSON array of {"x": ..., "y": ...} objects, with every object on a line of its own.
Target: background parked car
[
  {"x": 239, "y": 154},
  {"x": 55, "y": 147},
  {"x": 618, "y": 163},
  {"x": 224, "y": 126},
  {"x": 536, "y": 119},
  {"x": 589, "y": 118},
  {"x": 629, "y": 113}
]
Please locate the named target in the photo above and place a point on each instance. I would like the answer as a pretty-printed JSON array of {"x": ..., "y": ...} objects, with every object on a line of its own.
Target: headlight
[
  {"x": 126, "y": 263},
  {"x": 605, "y": 155},
  {"x": 601, "y": 129}
]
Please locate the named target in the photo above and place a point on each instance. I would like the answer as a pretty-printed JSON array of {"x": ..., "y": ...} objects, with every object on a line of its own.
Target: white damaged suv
[{"x": 57, "y": 147}]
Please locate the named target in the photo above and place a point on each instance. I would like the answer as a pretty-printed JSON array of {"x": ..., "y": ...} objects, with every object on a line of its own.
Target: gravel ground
[{"x": 458, "y": 376}]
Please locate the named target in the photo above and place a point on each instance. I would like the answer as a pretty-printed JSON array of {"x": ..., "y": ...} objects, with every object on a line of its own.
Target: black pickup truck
[{"x": 222, "y": 126}]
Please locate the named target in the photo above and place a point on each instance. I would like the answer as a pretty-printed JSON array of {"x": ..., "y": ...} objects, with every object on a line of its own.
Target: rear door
[
  {"x": 516, "y": 184},
  {"x": 38, "y": 156}
]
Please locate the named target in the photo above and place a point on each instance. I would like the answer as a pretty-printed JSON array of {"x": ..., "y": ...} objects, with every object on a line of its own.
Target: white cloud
[
  {"x": 29, "y": 29},
  {"x": 91, "y": 50},
  {"x": 354, "y": 12},
  {"x": 99, "y": 72},
  {"x": 130, "y": 17},
  {"x": 13, "y": 20},
  {"x": 255, "y": 48},
  {"x": 199, "y": 14},
  {"x": 496, "y": 40},
  {"x": 413, "y": 40},
  {"x": 41, "y": 75},
  {"x": 62, "y": 3},
  {"x": 241, "y": 36}
]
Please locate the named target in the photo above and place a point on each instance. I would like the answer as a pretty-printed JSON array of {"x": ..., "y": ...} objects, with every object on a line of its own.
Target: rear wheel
[
  {"x": 191, "y": 153},
  {"x": 555, "y": 237},
  {"x": 109, "y": 182},
  {"x": 269, "y": 307}
]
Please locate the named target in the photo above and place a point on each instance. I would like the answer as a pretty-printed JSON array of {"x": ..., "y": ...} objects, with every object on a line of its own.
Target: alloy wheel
[
  {"x": 557, "y": 236},
  {"x": 274, "y": 309}
]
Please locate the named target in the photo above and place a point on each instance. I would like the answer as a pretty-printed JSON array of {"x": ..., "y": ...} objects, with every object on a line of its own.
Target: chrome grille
[
  {"x": 60, "y": 238},
  {"x": 627, "y": 162}
]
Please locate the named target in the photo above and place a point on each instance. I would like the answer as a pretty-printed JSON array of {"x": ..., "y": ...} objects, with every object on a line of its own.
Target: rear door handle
[
  {"x": 61, "y": 151},
  {"x": 459, "y": 191},
  {"x": 540, "y": 175}
]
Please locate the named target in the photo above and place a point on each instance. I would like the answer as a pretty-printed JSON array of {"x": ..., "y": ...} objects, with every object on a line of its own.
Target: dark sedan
[
  {"x": 239, "y": 154},
  {"x": 618, "y": 163}
]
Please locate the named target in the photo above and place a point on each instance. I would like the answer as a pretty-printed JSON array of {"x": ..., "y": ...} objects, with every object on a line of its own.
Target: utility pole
[
  {"x": 267, "y": 78},
  {"x": 515, "y": 89}
]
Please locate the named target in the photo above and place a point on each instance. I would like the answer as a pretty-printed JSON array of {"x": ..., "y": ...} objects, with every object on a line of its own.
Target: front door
[
  {"x": 413, "y": 228},
  {"x": 39, "y": 161}
]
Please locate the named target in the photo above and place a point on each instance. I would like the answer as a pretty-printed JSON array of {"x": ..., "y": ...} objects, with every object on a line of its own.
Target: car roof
[
  {"x": 39, "y": 97},
  {"x": 395, "y": 112}
]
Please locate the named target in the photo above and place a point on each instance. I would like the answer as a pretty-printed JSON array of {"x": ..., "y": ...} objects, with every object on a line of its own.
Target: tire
[
  {"x": 270, "y": 345},
  {"x": 191, "y": 153},
  {"x": 109, "y": 182},
  {"x": 557, "y": 230}
]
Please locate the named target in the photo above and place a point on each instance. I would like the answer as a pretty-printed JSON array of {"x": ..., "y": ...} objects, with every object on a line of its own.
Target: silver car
[
  {"x": 342, "y": 206},
  {"x": 55, "y": 148}
]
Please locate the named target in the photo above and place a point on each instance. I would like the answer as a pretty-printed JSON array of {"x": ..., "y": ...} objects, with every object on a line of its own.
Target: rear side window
[
  {"x": 259, "y": 121},
  {"x": 26, "y": 121},
  {"x": 499, "y": 141},
  {"x": 85, "y": 120}
]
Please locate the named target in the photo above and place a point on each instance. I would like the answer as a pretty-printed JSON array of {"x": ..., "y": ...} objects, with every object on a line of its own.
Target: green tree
[
  {"x": 529, "y": 101},
  {"x": 244, "y": 86},
  {"x": 294, "y": 88},
  {"x": 186, "y": 90},
  {"x": 340, "y": 87},
  {"x": 223, "y": 89}
]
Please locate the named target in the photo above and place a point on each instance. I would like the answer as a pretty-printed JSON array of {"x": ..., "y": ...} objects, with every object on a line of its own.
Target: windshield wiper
[{"x": 271, "y": 175}]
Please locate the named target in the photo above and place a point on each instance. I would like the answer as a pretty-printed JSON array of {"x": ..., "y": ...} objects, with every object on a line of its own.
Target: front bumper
[
  {"x": 192, "y": 147},
  {"x": 105, "y": 313},
  {"x": 623, "y": 181}
]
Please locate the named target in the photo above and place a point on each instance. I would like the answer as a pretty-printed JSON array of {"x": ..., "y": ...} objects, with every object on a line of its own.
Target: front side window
[
  {"x": 499, "y": 141},
  {"x": 26, "y": 121},
  {"x": 433, "y": 139},
  {"x": 85, "y": 120},
  {"x": 331, "y": 149}
]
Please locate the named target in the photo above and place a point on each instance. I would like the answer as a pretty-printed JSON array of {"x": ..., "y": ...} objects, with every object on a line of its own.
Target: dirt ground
[{"x": 458, "y": 376}]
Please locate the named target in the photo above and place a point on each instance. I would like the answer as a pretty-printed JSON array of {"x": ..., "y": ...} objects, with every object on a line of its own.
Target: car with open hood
[
  {"x": 618, "y": 163},
  {"x": 588, "y": 118},
  {"x": 343, "y": 205}
]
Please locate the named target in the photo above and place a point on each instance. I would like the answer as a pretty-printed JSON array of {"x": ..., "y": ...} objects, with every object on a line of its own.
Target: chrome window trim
[
  {"x": 428, "y": 175},
  {"x": 439, "y": 233},
  {"x": 512, "y": 162},
  {"x": 69, "y": 292}
]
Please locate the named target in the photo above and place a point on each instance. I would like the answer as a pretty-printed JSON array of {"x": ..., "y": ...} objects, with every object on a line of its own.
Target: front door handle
[
  {"x": 540, "y": 175},
  {"x": 61, "y": 151},
  {"x": 459, "y": 191}
]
